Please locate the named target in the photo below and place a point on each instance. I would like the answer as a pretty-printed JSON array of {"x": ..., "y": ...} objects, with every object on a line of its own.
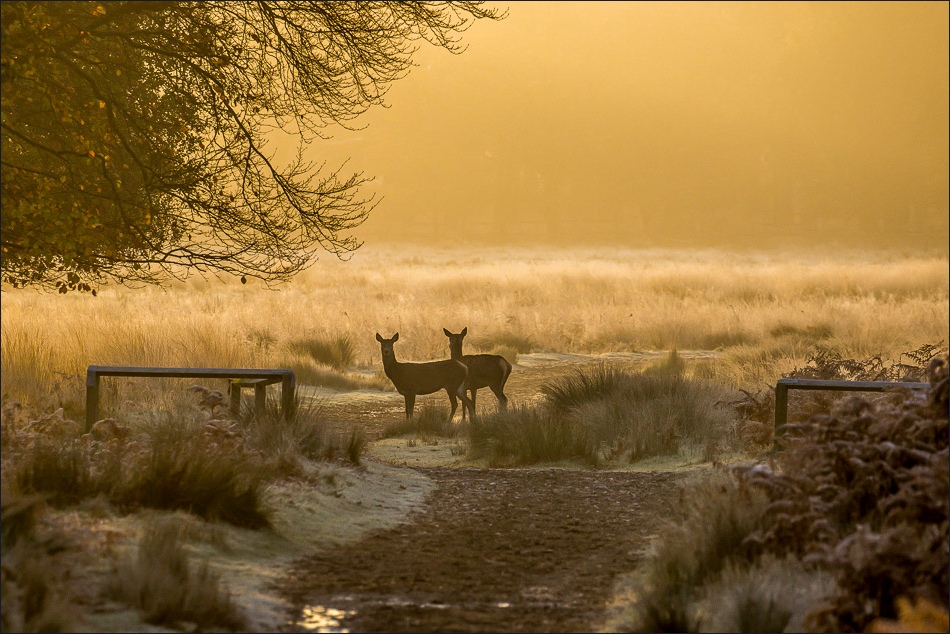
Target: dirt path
[{"x": 494, "y": 550}]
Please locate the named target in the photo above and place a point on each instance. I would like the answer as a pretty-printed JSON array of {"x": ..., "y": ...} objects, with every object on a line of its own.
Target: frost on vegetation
[{"x": 857, "y": 505}]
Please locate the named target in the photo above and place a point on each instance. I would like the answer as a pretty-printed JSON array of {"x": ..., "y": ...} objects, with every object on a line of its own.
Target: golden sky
[{"x": 669, "y": 124}]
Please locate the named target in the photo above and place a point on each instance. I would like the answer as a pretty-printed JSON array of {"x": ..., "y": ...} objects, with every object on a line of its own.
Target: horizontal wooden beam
[
  {"x": 258, "y": 378},
  {"x": 784, "y": 385}
]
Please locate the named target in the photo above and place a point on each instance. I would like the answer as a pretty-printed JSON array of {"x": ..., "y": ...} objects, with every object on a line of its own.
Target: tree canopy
[{"x": 135, "y": 134}]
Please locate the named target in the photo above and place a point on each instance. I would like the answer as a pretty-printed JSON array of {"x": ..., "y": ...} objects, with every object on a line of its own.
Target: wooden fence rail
[
  {"x": 259, "y": 379},
  {"x": 783, "y": 386}
]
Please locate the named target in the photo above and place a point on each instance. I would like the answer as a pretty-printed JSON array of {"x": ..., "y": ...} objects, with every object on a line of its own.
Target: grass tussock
[
  {"x": 427, "y": 421},
  {"x": 279, "y": 440},
  {"x": 200, "y": 478},
  {"x": 337, "y": 352},
  {"x": 285, "y": 445},
  {"x": 177, "y": 466},
  {"x": 356, "y": 443},
  {"x": 527, "y": 435},
  {"x": 169, "y": 590},
  {"x": 514, "y": 343},
  {"x": 309, "y": 372},
  {"x": 602, "y": 413}
]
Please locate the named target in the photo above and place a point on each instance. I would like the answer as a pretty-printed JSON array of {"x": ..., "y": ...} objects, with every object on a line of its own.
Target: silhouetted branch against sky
[{"x": 135, "y": 135}]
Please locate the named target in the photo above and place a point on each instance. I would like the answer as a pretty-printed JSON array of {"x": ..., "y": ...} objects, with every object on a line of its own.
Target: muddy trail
[{"x": 512, "y": 550}]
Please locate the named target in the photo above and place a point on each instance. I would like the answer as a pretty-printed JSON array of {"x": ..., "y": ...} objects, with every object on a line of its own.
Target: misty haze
[
  {"x": 684, "y": 124},
  {"x": 475, "y": 317}
]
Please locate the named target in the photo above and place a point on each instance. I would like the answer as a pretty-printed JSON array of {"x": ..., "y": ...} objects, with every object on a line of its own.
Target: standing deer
[
  {"x": 411, "y": 379},
  {"x": 484, "y": 370}
]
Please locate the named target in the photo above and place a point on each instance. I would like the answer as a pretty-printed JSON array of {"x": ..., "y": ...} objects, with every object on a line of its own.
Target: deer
[
  {"x": 412, "y": 379},
  {"x": 484, "y": 370}
]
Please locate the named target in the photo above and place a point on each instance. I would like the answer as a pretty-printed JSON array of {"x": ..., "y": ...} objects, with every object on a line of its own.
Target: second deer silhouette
[
  {"x": 412, "y": 379},
  {"x": 484, "y": 370}
]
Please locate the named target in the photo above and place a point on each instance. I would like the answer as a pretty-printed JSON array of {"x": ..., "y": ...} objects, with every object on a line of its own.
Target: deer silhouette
[
  {"x": 484, "y": 370},
  {"x": 412, "y": 379}
]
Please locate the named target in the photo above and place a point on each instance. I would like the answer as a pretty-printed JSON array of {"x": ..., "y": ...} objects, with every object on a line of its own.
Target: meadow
[
  {"x": 763, "y": 313},
  {"x": 698, "y": 328}
]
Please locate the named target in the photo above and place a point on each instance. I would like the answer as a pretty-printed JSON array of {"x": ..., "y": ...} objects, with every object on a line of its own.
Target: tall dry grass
[{"x": 765, "y": 313}]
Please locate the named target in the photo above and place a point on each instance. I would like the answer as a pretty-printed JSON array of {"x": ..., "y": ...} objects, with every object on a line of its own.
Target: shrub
[
  {"x": 168, "y": 590},
  {"x": 825, "y": 363},
  {"x": 757, "y": 408},
  {"x": 864, "y": 494}
]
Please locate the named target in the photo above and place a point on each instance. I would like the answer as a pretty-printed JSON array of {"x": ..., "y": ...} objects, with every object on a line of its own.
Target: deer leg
[
  {"x": 502, "y": 399},
  {"x": 410, "y": 405},
  {"x": 455, "y": 404},
  {"x": 473, "y": 393},
  {"x": 466, "y": 401},
  {"x": 464, "y": 407}
]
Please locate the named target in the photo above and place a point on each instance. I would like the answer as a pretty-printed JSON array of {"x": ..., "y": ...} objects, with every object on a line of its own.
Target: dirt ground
[
  {"x": 492, "y": 550},
  {"x": 520, "y": 550}
]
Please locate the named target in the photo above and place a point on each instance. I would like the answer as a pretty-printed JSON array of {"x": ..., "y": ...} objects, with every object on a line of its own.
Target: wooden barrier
[
  {"x": 784, "y": 385},
  {"x": 240, "y": 378}
]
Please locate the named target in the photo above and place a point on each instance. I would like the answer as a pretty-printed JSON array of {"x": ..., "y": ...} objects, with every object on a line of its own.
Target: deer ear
[
  {"x": 378, "y": 338},
  {"x": 447, "y": 333},
  {"x": 464, "y": 331},
  {"x": 395, "y": 337}
]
